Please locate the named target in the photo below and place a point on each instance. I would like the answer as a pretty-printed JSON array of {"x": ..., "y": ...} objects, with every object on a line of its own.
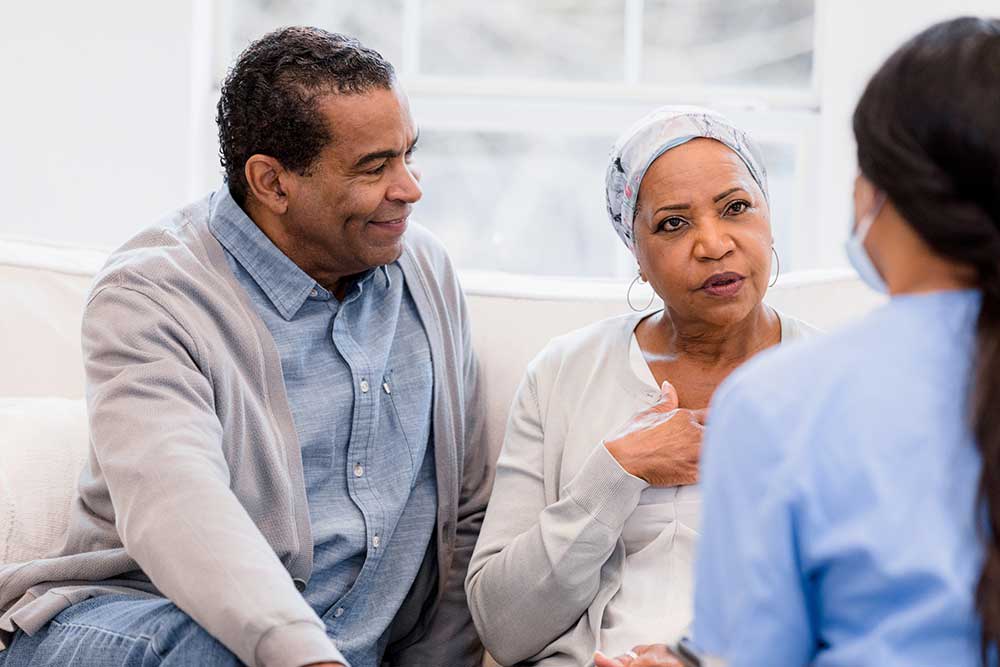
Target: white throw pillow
[{"x": 43, "y": 448}]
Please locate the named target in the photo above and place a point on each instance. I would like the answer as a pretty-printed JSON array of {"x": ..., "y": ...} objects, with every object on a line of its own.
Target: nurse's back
[
  {"x": 847, "y": 520},
  {"x": 849, "y": 494},
  {"x": 889, "y": 540}
]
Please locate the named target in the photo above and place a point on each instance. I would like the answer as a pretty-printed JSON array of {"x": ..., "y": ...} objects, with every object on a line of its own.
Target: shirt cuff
[
  {"x": 605, "y": 489},
  {"x": 295, "y": 645}
]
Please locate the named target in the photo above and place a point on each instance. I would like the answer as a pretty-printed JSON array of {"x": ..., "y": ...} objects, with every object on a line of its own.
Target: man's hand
[
  {"x": 662, "y": 444},
  {"x": 651, "y": 655}
]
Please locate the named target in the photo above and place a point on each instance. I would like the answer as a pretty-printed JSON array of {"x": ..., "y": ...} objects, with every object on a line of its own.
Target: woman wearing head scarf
[
  {"x": 589, "y": 537},
  {"x": 870, "y": 467}
]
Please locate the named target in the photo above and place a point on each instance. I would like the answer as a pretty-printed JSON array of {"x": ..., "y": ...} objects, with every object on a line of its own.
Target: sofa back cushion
[{"x": 42, "y": 293}]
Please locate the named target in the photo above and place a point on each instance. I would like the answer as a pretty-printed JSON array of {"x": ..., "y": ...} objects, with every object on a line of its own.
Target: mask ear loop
[{"x": 868, "y": 219}]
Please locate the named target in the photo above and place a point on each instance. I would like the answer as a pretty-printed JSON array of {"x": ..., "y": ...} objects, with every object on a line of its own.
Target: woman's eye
[
  {"x": 738, "y": 207},
  {"x": 672, "y": 224}
]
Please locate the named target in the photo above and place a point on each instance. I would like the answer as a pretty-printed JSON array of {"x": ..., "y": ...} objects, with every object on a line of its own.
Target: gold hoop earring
[
  {"x": 777, "y": 273},
  {"x": 628, "y": 296}
]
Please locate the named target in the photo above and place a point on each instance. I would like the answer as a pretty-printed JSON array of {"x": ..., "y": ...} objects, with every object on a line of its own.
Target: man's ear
[{"x": 264, "y": 176}]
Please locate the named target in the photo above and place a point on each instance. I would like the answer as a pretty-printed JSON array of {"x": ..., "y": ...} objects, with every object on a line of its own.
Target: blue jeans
[{"x": 119, "y": 631}]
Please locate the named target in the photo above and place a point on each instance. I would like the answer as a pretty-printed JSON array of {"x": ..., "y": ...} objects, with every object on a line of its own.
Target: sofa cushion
[
  {"x": 43, "y": 448},
  {"x": 42, "y": 293}
]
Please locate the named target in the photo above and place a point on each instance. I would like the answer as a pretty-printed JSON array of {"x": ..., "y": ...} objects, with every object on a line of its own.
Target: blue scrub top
[{"x": 840, "y": 482}]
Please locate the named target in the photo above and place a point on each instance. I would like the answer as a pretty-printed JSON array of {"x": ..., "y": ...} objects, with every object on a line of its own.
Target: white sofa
[{"x": 43, "y": 424}]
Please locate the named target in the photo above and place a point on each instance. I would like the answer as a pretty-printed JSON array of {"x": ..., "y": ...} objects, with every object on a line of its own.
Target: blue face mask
[{"x": 856, "y": 252}]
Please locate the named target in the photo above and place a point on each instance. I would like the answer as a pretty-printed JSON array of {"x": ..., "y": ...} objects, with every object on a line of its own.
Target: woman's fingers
[
  {"x": 662, "y": 444},
  {"x": 657, "y": 661},
  {"x": 652, "y": 655},
  {"x": 668, "y": 398},
  {"x": 601, "y": 660},
  {"x": 655, "y": 655}
]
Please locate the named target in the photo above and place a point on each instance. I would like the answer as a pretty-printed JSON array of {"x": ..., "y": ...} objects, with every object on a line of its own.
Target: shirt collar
[{"x": 285, "y": 284}]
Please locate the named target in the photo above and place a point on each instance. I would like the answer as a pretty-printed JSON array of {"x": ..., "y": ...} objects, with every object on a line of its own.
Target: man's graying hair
[{"x": 270, "y": 98}]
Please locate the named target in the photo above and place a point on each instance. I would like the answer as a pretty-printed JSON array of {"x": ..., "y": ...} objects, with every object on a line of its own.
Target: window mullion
[
  {"x": 633, "y": 40},
  {"x": 412, "y": 11}
]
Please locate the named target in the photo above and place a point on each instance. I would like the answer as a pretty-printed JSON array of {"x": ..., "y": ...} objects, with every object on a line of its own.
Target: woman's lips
[
  {"x": 726, "y": 290},
  {"x": 723, "y": 284}
]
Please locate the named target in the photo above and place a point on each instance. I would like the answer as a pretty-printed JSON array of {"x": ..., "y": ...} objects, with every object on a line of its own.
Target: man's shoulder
[
  {"x": 427, "y": 249},
  {"x": 169, "y": 252},
  {"x": 428, "y": 268}
]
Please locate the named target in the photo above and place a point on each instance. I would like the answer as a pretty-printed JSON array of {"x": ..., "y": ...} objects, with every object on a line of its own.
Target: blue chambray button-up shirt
[{"x": 359, "y": 382}]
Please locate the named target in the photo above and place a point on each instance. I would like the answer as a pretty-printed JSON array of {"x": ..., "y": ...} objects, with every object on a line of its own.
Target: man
[{"x": 286, "y": 466}]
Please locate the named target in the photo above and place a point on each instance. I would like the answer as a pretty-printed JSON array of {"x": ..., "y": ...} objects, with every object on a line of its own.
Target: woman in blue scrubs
[{"x": 852, "y": 483}]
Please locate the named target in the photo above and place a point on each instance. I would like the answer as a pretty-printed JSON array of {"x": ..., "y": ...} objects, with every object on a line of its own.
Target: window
[{"x": 519, "y": 102}]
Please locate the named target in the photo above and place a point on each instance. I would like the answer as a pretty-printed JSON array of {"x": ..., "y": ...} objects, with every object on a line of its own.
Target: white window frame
[{"x": 792, "y": 117}]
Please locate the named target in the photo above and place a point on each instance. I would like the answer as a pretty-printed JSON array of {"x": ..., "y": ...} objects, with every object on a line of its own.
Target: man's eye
[{"x": 377, "y": 170}]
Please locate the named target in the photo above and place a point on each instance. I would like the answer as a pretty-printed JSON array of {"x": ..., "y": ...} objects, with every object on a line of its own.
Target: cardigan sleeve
[
  {"x": 158, "y": 441},
  {"x": 531, "y": 554}
]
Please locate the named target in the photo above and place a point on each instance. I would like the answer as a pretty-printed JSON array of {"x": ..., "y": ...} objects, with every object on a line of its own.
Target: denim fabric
[
  {"x": 359, "y": 381},
  {"x": 119, "y": 631}
]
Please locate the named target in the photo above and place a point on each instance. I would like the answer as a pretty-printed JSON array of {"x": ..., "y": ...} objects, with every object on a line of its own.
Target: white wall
[
  {"x": 854, "y": 38},
  {"x": 95, "y": 117},
  {"x": 106, "y": 118}
]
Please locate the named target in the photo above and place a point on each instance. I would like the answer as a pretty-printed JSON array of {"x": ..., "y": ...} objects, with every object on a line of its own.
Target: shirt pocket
[
  {"x": 396, "y": 427},
  {"x": 409, "y": 413},
  {"x": 689, "y": 507},
  {"x": 648, "y": 522}
]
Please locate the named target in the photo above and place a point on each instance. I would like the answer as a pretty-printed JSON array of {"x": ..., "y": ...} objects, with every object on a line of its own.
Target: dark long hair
[{"x": 928, "y": 134}]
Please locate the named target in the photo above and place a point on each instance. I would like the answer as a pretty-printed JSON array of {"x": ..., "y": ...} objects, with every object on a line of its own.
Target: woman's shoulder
[
  {"x": 590, "y": 344},
  {"x": 792, "y": 328},
  {"x": 584, "y": 357}
]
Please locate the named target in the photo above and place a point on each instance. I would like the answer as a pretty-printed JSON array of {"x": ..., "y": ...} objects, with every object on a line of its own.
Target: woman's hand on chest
[{"x": 662, "y": 444}]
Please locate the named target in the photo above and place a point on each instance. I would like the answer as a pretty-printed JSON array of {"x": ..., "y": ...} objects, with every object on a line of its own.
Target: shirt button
[
  {"x": 364, "y": 386},
  {"x": 300, "y": 584},
  {"x": 339, "y": 612},
  {"x": 358, "y": 470},
  {"x": 376, "y": 541},
  {"x": 313, "y": 293}
]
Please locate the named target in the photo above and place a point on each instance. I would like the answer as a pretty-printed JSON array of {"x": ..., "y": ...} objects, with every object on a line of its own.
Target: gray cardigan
[
  {"x": 194, "y": 487},
  {"x": 551, "y": 556}
]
